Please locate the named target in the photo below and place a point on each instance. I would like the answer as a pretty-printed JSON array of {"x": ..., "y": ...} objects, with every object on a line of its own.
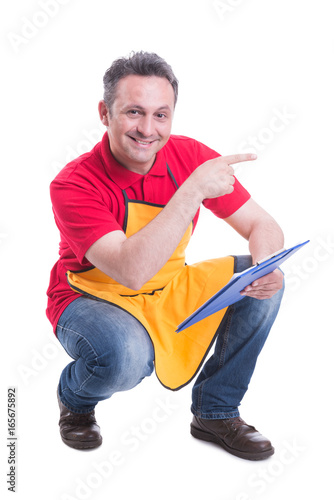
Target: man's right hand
[
  {"x": 133, "y": 261},
  {"x": 216, "y": 177}
]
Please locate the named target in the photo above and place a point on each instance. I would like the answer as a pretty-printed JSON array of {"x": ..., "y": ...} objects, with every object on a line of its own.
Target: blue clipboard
[{"x": 230, "y": 293}]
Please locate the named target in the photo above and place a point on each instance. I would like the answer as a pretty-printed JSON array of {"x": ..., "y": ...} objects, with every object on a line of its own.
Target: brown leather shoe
[
  {"x": 78, "y": 430},
  {"x": 234, "y": 435}
]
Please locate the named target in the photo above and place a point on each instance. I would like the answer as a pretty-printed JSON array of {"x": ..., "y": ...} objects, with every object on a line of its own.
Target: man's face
[{"x": 141, "y": 120}]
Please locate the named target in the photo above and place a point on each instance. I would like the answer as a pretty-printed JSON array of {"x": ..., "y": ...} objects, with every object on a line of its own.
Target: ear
[{"x": 103, "y": 112}]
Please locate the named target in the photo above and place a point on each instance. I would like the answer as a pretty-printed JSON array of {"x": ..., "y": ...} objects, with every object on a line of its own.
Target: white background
[{"x": 239, "y": 63}]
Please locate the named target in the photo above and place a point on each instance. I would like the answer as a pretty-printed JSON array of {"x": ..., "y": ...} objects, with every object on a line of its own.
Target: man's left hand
[{"x": 265, "y": 287}]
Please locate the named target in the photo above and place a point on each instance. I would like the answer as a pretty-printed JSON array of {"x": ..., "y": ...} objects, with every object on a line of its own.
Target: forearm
[
  {"x": 144, "y": 253},
  {"x": 266, "y": 237}
]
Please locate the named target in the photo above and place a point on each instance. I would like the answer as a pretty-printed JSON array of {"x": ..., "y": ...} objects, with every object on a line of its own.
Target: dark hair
[{"x": 138, "y": 63}]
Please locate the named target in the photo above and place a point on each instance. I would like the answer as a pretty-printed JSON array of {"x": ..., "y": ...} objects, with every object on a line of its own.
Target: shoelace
[
  {"x": 79, "y": 419},
  {"x": 237, "y": 422}
]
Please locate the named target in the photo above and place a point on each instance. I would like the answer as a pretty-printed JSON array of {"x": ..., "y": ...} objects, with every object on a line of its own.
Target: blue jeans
[{"x": 113, "y": 352}]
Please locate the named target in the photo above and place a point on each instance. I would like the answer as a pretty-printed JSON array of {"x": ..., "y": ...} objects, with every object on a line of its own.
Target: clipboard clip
[{"x": 270, "y": 256}]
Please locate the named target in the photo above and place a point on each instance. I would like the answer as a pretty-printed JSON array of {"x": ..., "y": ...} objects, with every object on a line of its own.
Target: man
[{"x": 126, "y": 211}]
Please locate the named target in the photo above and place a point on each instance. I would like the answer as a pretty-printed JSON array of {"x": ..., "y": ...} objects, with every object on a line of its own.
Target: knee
[
  {"x": 255, "y": 312},
  {"x": 139, "y": 360},
  {"x": 266, "y": 310},
  {"x": 125, "y": 363}
]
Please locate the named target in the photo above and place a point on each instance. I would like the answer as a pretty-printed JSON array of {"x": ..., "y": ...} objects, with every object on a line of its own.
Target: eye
[
  {"x": 161, "y": 115},
  {"x": 133, "y": 112}
]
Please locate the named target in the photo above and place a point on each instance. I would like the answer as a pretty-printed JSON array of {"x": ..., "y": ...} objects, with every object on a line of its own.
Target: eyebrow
[{"x": 137, "y": 106}]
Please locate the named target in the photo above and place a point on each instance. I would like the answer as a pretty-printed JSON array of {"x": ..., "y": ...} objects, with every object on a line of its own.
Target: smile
[{"x": 144, "y": 143}]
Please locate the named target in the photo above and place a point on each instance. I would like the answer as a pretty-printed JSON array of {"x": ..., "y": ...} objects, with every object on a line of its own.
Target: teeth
[{"x": 142, "y": 142}]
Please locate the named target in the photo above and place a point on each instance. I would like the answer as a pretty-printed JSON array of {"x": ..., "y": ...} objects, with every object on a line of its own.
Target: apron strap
[
  {"x": 126, "y": 215},
  {"x": 126, "y": 198},
  {"x": 172, "y": 176}
]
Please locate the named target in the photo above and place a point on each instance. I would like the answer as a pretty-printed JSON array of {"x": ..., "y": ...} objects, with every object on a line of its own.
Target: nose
[{"x": 145, "y": 126}]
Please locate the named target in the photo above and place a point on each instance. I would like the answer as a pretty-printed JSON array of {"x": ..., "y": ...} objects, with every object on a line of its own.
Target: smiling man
[
  {"x": 126, "y": 212},
  {"x": 136, "y": 132}
]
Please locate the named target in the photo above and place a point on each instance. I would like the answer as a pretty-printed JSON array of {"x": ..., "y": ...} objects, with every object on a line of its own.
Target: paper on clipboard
[{"x": 230, "y": 293}]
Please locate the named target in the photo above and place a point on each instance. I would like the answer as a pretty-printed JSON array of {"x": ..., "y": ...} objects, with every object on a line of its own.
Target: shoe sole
[
  {"x": 82, "y": 445},
  {"x": 205, "y": 436}
]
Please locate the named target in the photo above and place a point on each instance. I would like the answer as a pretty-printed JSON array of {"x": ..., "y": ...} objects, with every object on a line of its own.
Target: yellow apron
[{"x": 175, "y": 292}]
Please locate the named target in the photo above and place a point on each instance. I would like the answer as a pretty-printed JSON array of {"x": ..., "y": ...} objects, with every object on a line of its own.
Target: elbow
[
  {"x": 123, "y": 276},
  {"x": 267, "y": 225},
  {"x": 134, "y": 285},
  {"x": 267, "y": 231},
  {"x": 133, "y": 281}
]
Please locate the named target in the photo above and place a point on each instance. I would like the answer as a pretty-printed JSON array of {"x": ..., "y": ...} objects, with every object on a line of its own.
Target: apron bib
[{"x": 175, "y": 292}]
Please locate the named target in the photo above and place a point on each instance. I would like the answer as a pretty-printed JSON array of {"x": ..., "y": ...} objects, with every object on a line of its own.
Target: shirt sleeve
[
  {"x": 226, "y": 205},
  {"x": 81, "y": 214}
]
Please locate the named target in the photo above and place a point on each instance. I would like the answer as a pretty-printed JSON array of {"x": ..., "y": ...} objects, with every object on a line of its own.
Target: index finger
[{"x": 239, "y": 158}]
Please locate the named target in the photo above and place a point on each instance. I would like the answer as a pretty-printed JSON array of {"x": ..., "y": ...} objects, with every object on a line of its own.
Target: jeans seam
[
  {"x": 229, "y": 314},
  {"x": 226, "y": 335},
  {"x": 75, "y": 410},
  {"x": 199, "y": 399},
  {"x": 93, "y": 350},
  {"x": 221, "y": 357},
  {"x": 220, "y": 416},
  {"x": 80, "y": 335}
]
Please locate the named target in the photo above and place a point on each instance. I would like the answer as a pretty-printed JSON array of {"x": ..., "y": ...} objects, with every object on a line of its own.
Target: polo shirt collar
[{"x": 123, "y": 177}]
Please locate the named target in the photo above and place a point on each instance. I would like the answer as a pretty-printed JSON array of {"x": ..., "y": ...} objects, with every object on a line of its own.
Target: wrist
[{"x": 192, "y": 191}]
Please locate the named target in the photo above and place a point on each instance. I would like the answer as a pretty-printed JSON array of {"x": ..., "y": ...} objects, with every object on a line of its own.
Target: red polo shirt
[{"x": 88, "y": 202}]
